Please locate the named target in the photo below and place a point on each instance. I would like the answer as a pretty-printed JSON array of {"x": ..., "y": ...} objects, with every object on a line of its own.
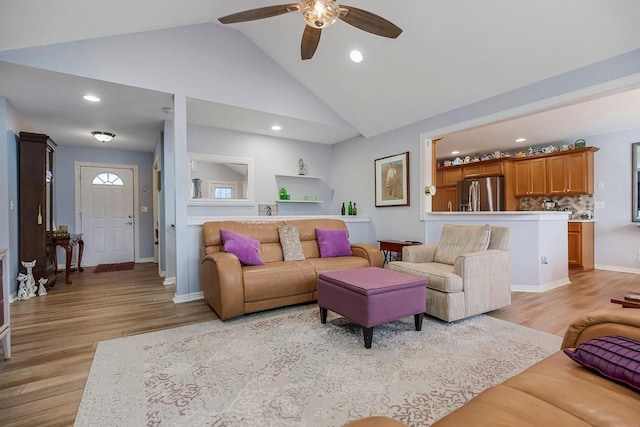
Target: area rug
[
  {"x": 285, "y": 368},
  {"x": 102, "y": 268}
]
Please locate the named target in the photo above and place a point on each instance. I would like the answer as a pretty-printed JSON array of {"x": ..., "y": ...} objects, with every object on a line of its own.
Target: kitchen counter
[{"x": 582, "y": 220}]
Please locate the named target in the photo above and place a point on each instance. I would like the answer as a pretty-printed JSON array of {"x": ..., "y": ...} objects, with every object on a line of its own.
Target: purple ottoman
[{"x": 372, "y": 296}]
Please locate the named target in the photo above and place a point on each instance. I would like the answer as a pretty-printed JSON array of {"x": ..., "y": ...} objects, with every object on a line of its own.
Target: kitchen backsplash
[{"x": 577, "y": 204}]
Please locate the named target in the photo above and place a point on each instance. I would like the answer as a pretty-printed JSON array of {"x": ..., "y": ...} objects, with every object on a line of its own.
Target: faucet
[{"x": 449, "y": 205}]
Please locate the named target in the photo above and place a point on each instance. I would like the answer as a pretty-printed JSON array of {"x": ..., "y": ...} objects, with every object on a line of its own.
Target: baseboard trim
[
  {"x": 541, "y": 288},
  {"x": 141, "y": 260},
  {"x": 188, "y": 297},
  {"x": 162, "y": 273},
  {"x": 616, "y": 268},
  {"x": 168, "y": 281},
  {"x": 13, "y": 297}
]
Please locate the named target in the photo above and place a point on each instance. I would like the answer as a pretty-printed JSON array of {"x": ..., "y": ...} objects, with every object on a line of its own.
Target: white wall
[{"x": 616, "y": 239}]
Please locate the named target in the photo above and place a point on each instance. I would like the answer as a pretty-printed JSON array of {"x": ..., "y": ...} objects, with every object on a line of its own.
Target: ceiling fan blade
[
  {"x": 260, "y": 13},
  {"x": 310, "y": 40},
  {"x": 370, "y": 22}
]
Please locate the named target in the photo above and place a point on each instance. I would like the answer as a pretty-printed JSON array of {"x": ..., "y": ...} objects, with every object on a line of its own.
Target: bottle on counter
[
  {"x": 355, "y": 209},
  {"x": 343, "y": 210},
  {"x": 350, "y": 209}
]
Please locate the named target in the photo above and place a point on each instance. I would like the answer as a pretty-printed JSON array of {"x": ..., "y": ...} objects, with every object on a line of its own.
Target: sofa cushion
[
  {"x": 615, "y": 357},
  {"x": 278, "y": 280},
  {"x": 337, "y": 263},
  {"x": 458, "y": 240},
  {"x": 439, "y": 276},
  {"x": 290, "y": 241},
  {"x": 333, "y": 242},
  {"x": 245, "y": 248}
]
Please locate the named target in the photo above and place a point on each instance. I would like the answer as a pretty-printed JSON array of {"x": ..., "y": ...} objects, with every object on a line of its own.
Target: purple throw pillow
[
  {"x": 615, "y": 357},
  {"x": 333, "y": 242},
  {"x": 245, "y": 248}
]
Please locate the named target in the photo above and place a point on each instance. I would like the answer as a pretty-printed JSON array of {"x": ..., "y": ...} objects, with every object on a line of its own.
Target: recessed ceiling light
[
  {"x": 356, "y": 56},
  {"x": 91, "y": 98},
  {"x": 455, "y": 152},
  {"x": 521, "y": 139},
  {"x": 276, "y": 127}
]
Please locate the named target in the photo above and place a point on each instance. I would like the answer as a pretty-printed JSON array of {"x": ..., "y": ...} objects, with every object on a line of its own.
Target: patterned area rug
[
  {"x": 102, "y": 268},
  {"x": 285, "y": 368}
]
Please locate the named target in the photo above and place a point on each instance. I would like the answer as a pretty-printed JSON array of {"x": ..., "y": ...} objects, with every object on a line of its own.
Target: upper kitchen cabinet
[
  {"x": 448, "y": 176},
  {"x": 530, "y": 177},
  {"x": 571, "y": 173}
]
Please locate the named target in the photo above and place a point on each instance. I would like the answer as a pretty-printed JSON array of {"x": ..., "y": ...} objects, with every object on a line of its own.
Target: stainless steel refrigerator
[{"x": 481, "y": 194}]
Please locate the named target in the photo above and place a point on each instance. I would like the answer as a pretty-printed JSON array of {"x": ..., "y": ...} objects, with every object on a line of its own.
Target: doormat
[{"x": 101, "y": 268}]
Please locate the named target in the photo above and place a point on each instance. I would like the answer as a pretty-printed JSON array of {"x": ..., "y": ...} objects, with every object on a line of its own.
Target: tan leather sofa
[
  {"x": 556, "y": 391},
  {"x": 232, "y": 289}
]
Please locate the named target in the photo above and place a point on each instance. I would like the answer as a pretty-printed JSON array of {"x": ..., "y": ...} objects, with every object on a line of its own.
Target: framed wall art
[{"x": 392, "y": 180}]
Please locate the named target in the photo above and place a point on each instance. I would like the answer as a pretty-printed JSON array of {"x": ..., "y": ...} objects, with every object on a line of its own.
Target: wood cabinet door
[
  {"x": 494, "y": 168},
  {"x": 577, "y": 179},
  {"x": 556, "y": 175},
  {"x": 538, "y": 177},
  {"x": 575, "y": 248},
  {"x": 522, "y": 175},
  {"x": 445, "y": 197},
  {"x": 472, "y": 170}
]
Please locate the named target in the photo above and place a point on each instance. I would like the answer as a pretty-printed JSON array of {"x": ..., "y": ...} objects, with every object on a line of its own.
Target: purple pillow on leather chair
[
  {"x": 614, "y": 357},
  {"x": 333, "y": 242},
  {"x": 245, "y": 248}
]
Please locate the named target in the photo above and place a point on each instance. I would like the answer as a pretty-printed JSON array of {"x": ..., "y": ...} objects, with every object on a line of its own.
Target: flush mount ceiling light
[
  {"x": 91, "y": 98},
  {"x": 103, "y": 136},
  {"x": 455, "y": 152},
  {"x": 521, "y": 139},
  {"x": 276, "y": 127},
  {"x": 319, "y": 14}
]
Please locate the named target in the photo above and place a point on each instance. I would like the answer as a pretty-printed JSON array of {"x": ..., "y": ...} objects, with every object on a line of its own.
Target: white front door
[{"x": 107, "y": 216}]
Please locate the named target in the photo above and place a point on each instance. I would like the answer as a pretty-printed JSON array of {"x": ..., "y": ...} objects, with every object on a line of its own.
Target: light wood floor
[{"x": 54, "y": 337}]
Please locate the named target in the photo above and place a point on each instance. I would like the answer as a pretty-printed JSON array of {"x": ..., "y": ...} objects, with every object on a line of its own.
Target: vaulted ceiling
[{"x": 451, "y": 54}]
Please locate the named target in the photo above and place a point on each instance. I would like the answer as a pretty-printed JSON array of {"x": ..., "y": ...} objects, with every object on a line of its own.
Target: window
[
  {"x": 107, "y": 178},
  {"x": 222, "y": 193}
]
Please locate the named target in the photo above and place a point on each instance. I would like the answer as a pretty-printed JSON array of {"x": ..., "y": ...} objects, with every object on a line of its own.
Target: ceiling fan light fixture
[
  {"x": 319, "y": 13},
  {"x": 103, "y": 136}
]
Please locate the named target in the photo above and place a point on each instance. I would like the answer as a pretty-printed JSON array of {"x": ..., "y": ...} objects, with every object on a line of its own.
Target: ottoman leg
[
  {"x": 368, "y": 336},
  {"x": 418, "y": 319},
  {"x": 323, "y": 315}
]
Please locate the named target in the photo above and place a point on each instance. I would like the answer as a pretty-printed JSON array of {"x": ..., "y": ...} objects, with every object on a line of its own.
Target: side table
[
  {"x": 67, "y": 241},
  {"x": 625, "y": 302},
  {"x": 388, "y": 246}
]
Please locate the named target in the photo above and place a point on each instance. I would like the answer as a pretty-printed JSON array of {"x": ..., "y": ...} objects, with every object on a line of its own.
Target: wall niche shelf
[
  {"x": 298, "y": 176},
  {"x": 298, "y": 201}
]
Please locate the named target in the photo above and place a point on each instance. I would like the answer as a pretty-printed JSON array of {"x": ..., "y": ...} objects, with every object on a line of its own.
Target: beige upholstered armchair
[{"x": 468, "y": 271}]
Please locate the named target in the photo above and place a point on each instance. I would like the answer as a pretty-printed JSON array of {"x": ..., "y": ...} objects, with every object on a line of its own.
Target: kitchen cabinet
[
  {"x": 445, "y": 199},
  {"x": 570, "y": 173},
  {"x": 482, "y": 169},
  {"x": 448, "y": 176},
  {"x": 36, "y": 203},
  {"x": 530, "y": 177},
  {"x": 581, "y": 245}
]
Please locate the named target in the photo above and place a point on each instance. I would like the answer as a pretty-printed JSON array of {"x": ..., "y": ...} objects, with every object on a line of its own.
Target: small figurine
[
  {"x": 31, "y": 281},
  {"x": 41, "y": 289},
  {"x": 23, "y": 294},
  {"x": 302, "y": 167}
]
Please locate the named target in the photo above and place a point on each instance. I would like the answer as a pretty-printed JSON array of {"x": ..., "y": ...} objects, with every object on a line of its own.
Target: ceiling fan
[{"x": 319, "y": 14}]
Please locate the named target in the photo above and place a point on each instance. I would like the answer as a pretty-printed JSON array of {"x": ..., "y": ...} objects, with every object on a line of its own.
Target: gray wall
[
  {"x": 617, "y": 240},
  {"x": 271, "y": 156},
  {"x": 64, "y": 189},
  {"x": 12, "y": 122}
]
